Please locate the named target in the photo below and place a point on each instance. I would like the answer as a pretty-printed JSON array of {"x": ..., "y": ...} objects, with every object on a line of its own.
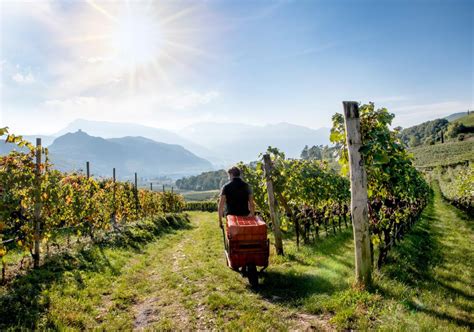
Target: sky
[{"x": 171, "y": 64}]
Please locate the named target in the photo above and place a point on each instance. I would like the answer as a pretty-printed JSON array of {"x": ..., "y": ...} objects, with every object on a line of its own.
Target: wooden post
[
  {"x": 114, "y": 213},
  {"x": 88, "y": 169},
  {"x": 442, "y": 137},
  {"x": 151, "y": 186},
  {"x": 359, "y": 211},
  {"x": 272, "y": 205},
  {"x": 37, "y": 207},
  {"x": 163, "y": 188},
  {"x": 172, "y": 201},
  {"x": 137, "y": 203}
]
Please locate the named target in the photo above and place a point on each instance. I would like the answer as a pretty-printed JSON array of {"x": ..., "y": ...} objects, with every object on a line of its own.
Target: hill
[
  {"x": 456, "y": 127},
  {"x": 118, "y": 129},
  {"x": 5, "y": 148},
  {"x": 128, "y": 155},
  {"x": 239, "y": 142},
  {"x": 455, "y": 116},
  {"x": 212, "y": 180},
  {"x": 466, "y": 120},
  {"x": 443, "y": 154},
  {"x": 425, "y": 133}
]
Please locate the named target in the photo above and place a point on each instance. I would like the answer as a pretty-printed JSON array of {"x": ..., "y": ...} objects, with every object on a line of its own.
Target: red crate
[
  {"x": 246, "y": 241},
  {"x": 246, "y": 228}
]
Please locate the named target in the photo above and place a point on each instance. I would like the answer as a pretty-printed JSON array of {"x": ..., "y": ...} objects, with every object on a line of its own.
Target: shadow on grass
[
  {"x": 24, "y": 301},
  {"x": 292, "y": 286},
  {"x": 414, "y": 260},
  {"x": 420, "y": 251}
]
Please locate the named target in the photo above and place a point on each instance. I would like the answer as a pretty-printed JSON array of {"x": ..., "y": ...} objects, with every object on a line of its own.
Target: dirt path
[{"x": 190, "y": 287}]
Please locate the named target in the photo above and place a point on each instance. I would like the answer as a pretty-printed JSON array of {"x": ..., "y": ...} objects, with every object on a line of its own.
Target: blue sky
[{"x": 172, "y": 64}]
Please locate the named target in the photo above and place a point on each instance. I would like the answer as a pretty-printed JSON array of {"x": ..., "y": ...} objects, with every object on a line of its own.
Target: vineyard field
[
  {"x": 196, "y": 196},
  {"x": 420, "y": 287},
  {"x": 129, "y": 258},
  {"x": 443, "y": 154}
]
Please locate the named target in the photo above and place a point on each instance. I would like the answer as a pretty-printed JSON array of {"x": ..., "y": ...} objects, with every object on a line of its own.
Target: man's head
[{"x": 234, "y": 172}]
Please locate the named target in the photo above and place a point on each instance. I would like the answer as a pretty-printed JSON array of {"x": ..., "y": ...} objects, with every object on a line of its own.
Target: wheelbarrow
[{"x": 246, "y": 246}]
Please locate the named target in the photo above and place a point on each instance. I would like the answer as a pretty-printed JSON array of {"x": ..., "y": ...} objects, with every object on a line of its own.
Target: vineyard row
[{"x": 37, "y": 202}]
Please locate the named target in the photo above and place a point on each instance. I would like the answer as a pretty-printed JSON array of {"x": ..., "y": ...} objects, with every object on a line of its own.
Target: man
[{"x": 236, "y": 197}]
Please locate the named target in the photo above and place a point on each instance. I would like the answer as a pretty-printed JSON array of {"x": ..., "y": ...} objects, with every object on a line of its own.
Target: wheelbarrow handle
[{"x": 223, "y": 237}]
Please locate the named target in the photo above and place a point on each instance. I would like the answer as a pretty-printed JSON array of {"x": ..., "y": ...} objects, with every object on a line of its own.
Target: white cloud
[
  {"x": 187, "y": 100},
  {"x": 165, "y": 110},
  {"x": 26, "y": 78},
  {"x": 98, "y": 59},
  {"x": 413, "y": 114},
  {"x": 72, "y": 102}
]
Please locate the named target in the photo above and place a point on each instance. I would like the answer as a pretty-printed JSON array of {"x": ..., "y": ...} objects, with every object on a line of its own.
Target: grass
[
  {"x": 179, "y": 281},
  {"x": 467, "y": 120},
  {"x": 443, "y": 154},
  {"x": 428, "y": 281},
  {"x": 200, "y": 195}
]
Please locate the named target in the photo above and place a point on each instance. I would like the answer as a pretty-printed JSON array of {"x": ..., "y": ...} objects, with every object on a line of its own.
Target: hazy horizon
[{"x": 173, "y": 64}]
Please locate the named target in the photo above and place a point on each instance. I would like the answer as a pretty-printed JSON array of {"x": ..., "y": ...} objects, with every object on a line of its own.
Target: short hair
[{"x": 234, "y": 171}]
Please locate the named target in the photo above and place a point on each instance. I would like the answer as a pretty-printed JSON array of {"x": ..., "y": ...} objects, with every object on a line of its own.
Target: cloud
[
  {"x": 71, "y": 102},
  {"x": 189, "y": 99},
  {"x": 26, "y": 78},
  {"x": 97, "y": 59},
  {"x": 412, "y": 114}
]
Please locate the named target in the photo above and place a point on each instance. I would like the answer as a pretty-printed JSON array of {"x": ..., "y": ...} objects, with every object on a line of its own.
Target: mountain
[
  {"x": 46, "y": 140},
  {"x": 117, "y": 129},
  {"x": 240, "y": 142},
  {"x": 455, "y": 116},
  {"x": 466, "y": 120},
  {"x": 6, "y": 148},
  {"x": 127, "y": 154},
  {"x": 222, "y": 144}
]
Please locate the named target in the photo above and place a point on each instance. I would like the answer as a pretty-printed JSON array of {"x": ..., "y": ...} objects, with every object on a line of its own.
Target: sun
[
  {"x": 144, "y": 43},
  {"x": 136, "y": 39}
]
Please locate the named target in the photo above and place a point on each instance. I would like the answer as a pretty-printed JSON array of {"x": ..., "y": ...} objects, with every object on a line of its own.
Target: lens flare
[{"x": 137, "y": 39}]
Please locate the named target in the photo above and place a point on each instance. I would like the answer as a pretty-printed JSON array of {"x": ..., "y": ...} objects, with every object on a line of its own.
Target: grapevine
[{"x": 72, "y": 201}]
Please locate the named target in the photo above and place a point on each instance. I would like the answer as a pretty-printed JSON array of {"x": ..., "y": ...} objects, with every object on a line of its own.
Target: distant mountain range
[
  {"x": 222, "y": 144},
  {"x": 239, "y": 142},
  {"x": 153, "y": 151},
  {"x": 117, "y": 129},
  {"x": 127, "y": 154}
]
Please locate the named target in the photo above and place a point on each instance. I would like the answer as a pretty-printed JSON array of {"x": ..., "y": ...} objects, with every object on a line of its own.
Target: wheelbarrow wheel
[{"x": 252, "y": 274}]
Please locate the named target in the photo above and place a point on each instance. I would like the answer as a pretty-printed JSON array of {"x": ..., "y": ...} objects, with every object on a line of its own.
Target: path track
[{"x": 191, "y": 288}]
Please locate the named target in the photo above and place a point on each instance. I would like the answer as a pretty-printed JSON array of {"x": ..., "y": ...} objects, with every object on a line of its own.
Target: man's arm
[
  {"x": 251, "y": 205},
  {"x": 221, "y": 209}
]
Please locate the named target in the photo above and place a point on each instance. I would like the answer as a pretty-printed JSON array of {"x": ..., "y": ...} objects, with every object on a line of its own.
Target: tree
[{"x": 304, "y": 154}]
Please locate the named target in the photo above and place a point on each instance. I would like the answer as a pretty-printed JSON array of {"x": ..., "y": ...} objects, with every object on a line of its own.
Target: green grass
[
  {"x": 443, "y": 154},
  {"x": 200, "y": 195},
  {"x": 427, "y": 285},
  {"x": 179, "y": 281},
  {"x": 467, "y": 120}
]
